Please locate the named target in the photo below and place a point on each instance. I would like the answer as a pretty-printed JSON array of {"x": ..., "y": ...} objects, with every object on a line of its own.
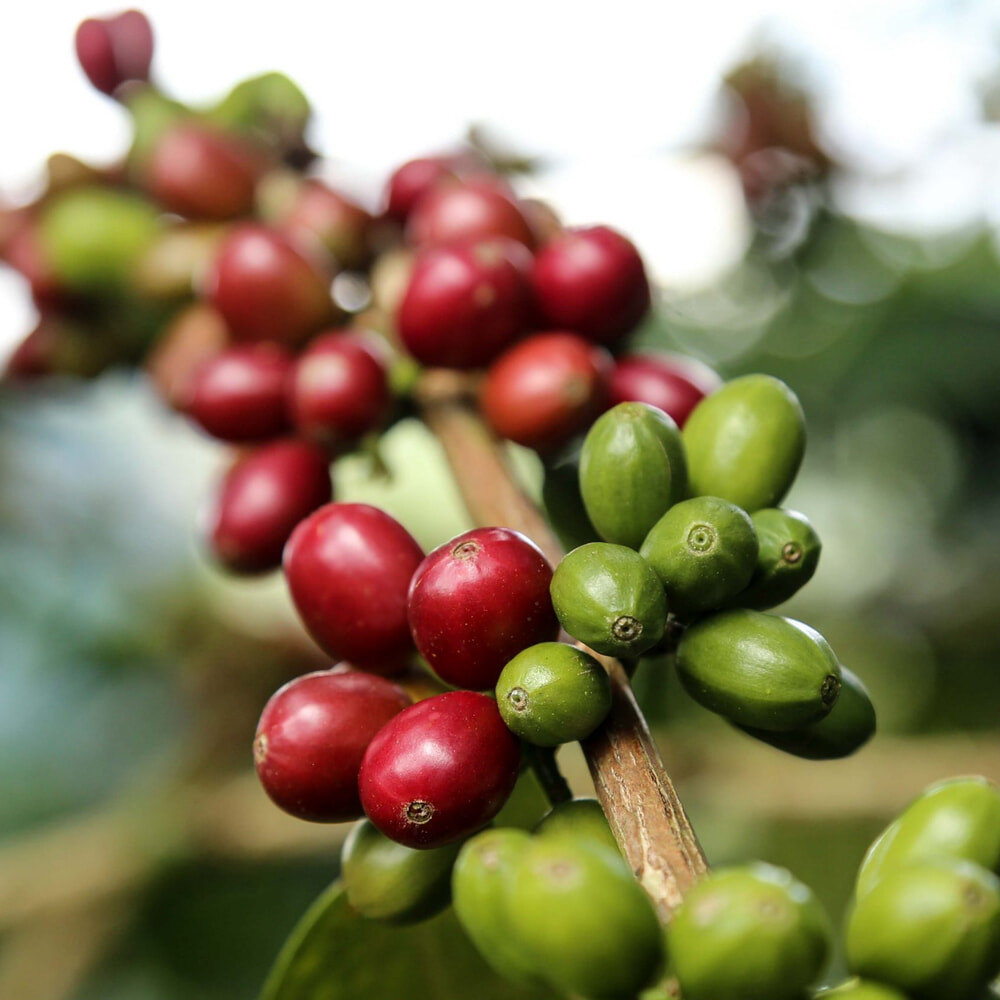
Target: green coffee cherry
[
  {"x": 270, "y": 102},
  {"x": 553, "y": 693},
  {"x": 583, "y": 819},
  {"x": 848, "y": 727},
  {"x": 704, "y": 551},
  {"x": 930, "y": 929},
  {"x": 481, "y": 884},
  {"x": 152, "y": 115},
  {"x": 632, "y": 469},
  {"x": 387, "y": 881},
  {"x": 564, "y": 505},
  {"x": 609, "y": 598},
  {"x": 958, "y": 818},
  {"x": 748, "y": 933},
  {"x": 745, "y": 442},
  {"x": 584, "y": 921},
  {"x": 94, "y": 237},
  {"x": 858, "y": 989},
  {"x": 759, "y": 670},
  {"x": 788, "y": 557}
]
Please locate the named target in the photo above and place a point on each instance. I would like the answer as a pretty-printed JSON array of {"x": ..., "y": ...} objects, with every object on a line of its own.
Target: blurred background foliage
[{"x": 138, "y": 859}]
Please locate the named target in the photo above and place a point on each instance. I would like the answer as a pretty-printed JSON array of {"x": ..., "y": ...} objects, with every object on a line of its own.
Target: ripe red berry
[
  {"x": 263, "y": 496},
  {"x": 312, "y": 736},
  {"x": 670, "y": 382},
  {"x": 112, "y": 50},
  {"x": 319, "y": 212},
  {"x": 475, "y": 209},
  {"x": 591, "y": 281},
  {"x": 266, "y": 289},
  {"x": 348, "y": 568},
  {"x": 477, "y": 601},
  {"x": 339, "y": 389},
  {"x": 544, "y": 390},
  {"x": 200, "y": 173},
  {"x": 439, "y": 770},
  {"x": 411, "y": 181},
  {"x": 240, "y": 394},
  {"x": 464, "y": 305}
]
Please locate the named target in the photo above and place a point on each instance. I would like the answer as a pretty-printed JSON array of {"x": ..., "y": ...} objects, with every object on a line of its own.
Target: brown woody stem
[{"x": 645, "y": 813}]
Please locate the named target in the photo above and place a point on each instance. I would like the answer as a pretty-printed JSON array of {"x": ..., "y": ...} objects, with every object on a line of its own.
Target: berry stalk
[{"x": 647, "y": 817}]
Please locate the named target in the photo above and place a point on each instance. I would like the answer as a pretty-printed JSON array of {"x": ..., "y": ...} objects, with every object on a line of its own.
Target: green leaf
[{"x": 335, "y": 954}]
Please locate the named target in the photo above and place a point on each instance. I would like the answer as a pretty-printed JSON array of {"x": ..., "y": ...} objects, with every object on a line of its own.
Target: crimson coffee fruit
[
  {"x": 463, "y": 305},
  {"x": 477, "y": 601},
  {"x": 263, "y": 496},
  {"x": 439, "y": 770},
  {"x": 476, "y": 209},
  {"x": 412, "y": 180},
  {"x": 319, "y": 212},
  {"x": 112, "y": 50},
  {"x": 240, "y": 394},
  {"x": 546, "y": 389},
  {"x": 312, "y": 736},
  {"x": 348, "y": 568},
  {"x": 591, "y": 281},
  {"x": 201, "y": 173},
  {"x": 670, "y": 382},
  {"x": 339, "y": 389},
  {"x": 266, "y": 289}
]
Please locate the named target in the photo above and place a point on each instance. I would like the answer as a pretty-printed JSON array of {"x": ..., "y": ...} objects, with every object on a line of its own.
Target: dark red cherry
[
  {"x": 263, "y": 496},
  {"x": 266, "y": 289},
  {"x": 544, "y": 390},
  {"x": 439, "y": 770},
  {"x": 312, "y": 736},
  {"x": 460, "y": 211},
  {"x": 241, "y": 394},
  {"x": 591, "y": 281},
  {"x": 348, "y": 568},
  {"x": 477, "y": 601},
  {"x": 201, "y": 173},
  {"x": 670, "y": 382},
  {"x": 321, "y": 213},
  {"x": 112, "y": 50},
  {"x": 463, "y": 305},
  {"x": 410, "y": 182},
  {"x": 339, "y": 390}
]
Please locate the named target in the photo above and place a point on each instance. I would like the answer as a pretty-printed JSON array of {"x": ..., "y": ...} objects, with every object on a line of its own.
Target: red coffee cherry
[
  {"x": 465, "y": 304},
  {"x": 411, "y": 181},
  {"x": 544, "y": 390},
  {"x": 339, "y": 390},
  {"x": 439, "y": 770},
  {"x": 319, "y": 212},
  {"x": 201, "y": 173},
  {"x": 266, "y": 289},
  {"x": 591, "y": 281},
  {"x": 240, "y": 394},
  {"x": 670, "y": 382},
  {"x": 475, "y": 209},
  {"x": 263, "y": 496},
  {"x": 477, "y": 601},
  {"x": 348, "y": 568},
  {"x": 112, "y": 50},
  {"x": 312, "y": 737}
]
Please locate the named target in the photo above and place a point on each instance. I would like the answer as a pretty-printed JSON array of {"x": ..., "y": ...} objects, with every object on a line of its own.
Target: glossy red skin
[
  {"x": 460, "y": 211},
  {"x": 591, "y": 281},
  {"x": 544, "y": 390},
  {"x": 465, "y": 304},
  {"x": 266, "y": 289},
  {"x": 348, "y": 568},
  {"x": 337, "y": 222},
  {"x": 451, "y": 752},
  {"x": 410, "y": 182},
  {"x": 312, "y": 737},
  {"x": 263, "y": 496},
  {"x": 339, "y": 389},
  {"x": 477, "y": 601},
  {"x": 112, "y": 50},
  {"x": 241, "y": 394},
  {"x": 200, "y": 173},
  {"x": 670, "y": 382}
]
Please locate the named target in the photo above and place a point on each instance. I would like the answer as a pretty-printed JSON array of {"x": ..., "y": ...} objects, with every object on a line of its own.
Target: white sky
[{"x": 612, "y": 94}]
